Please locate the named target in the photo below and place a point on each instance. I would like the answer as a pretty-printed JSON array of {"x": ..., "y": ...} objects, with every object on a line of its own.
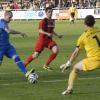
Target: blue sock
[{"x": 20, "y": 64}]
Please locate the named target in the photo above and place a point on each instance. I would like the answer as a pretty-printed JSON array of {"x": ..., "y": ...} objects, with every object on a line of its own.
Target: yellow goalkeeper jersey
[
  {"x": 72, "y": 9},
  {"x": 90, "y": 40}
]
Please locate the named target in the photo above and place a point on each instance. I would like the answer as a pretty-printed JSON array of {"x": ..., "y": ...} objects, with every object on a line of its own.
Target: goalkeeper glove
[{"x": 65, "y": 66}]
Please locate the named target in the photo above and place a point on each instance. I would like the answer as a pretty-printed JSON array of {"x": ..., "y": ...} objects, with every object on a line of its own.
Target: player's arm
[
  {"x": 42, "y": 28},
  {"x": 59, "y": 36},
  {"x": 45, "y": 33},
  {"x": 79, "y": 46},
  {"x": 54, "y": 33},
  {"x": 74, "y": 55},
  {"x": 11, "y": 31}
]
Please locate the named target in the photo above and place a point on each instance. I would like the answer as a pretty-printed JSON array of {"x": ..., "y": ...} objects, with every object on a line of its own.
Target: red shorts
[{"x": 40, "y": 45}]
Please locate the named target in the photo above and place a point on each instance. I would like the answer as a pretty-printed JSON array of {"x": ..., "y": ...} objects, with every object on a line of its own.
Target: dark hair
[
  {"x": 48, "y": 8},
  {"x": 89, "y": 20}
]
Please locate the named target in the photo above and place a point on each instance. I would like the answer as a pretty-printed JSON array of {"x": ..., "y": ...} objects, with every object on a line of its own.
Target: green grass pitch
[{"x": 13, "y": 85}]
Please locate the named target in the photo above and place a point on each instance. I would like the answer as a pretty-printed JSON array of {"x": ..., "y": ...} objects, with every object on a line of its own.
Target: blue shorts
[{"x": 9, "y": 51}]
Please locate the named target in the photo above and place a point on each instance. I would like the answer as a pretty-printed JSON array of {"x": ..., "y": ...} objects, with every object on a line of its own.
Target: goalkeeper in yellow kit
[{"x": 90, "y": 41}]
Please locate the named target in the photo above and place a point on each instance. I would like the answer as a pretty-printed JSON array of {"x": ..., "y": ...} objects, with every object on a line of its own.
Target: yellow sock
[{"x": 72, "y": 77}]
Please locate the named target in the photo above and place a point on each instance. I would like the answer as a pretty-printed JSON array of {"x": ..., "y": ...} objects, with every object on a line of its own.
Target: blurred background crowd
[{"x": 42, "y": 4}]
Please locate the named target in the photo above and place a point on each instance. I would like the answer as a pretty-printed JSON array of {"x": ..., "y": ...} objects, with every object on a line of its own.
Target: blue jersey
[
  {"x": 4, "y": 36},
  {"x": 5, "y": 47}
]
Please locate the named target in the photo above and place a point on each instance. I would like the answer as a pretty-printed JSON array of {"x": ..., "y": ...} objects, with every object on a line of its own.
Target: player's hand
[
  {"x": 50, "y": 35},
  {"x": 60, "y": 36},
  {"x": 23, "y": 35},
  {"x": 65, "y": 66}
]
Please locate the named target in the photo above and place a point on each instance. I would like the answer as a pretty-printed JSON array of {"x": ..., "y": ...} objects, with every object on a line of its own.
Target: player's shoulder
[
  {"x": 93, "y": 30},
  {"x": 84, "y": 32},
  {"x": 46, "y": 20},
  {"x": 82, "y": 35},
  {"x": 43, "y": 20},
  {"x": 2, "y": 22},
  {"x": 97, "y": 29}
]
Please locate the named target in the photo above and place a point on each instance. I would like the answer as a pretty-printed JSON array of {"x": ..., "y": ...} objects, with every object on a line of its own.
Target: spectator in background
[
  {"x": 1, "y": 7},
  {"x": 68, "y": 3},
  {"x": 15, "y": 5},
  {"x": 81, "y": 3},
  {"x": 47, "y": 3},
  {"x": 42, "y": 4},
  {"x": 25, "y": 6},
  {"x": 94, "y": 3},
  {"x": 98, "y": 4},
  {"x": 37, "y": 4},
  {"x": 51, "y": 5},
  {"x": 31, "y": 6},
  {"x": 8, "y": 7}
]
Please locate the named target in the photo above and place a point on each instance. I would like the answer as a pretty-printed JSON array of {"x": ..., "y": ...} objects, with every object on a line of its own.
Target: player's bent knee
[
  {"x": 14, "y": 57},
  {"x": 56, "y": 53},
  {"x": 55, "y": 49},
  {"x": 76, "y": 70},
  {"x": 35, "y": 55}
]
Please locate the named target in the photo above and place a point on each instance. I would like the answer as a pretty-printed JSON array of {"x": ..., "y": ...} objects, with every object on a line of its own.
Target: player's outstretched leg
[
  {"x": 21, "y": 66},
  {"x": 31, "y": 58},
  {"x": 19, "y": 63},
  {"x": 29, "y": 72}
]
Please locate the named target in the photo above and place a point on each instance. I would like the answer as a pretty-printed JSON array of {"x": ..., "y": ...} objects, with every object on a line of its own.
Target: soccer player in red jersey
[{"x": 46, "y": 31}]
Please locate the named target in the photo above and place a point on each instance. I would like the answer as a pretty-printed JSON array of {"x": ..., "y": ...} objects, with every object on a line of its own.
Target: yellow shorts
[{"x": 91, "y": 64}]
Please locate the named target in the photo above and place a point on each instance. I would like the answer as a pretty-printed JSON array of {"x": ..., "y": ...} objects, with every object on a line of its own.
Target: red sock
[
  {"x": 51, "y": 57},
  {"x": 28, "y": 60}
]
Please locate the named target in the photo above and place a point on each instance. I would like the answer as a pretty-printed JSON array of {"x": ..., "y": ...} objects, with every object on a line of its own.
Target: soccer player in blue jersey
[{"x": 6, "y": 47}]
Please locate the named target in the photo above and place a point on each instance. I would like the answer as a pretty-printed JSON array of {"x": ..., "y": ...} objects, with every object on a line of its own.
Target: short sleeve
[
  {"x": 80, "y": 41},
  {"x": 42, "y": 24},
  {"x": 3, "y": 25}
]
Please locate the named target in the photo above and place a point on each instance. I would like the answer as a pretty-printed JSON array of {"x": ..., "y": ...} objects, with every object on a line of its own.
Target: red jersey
[
  {"x": 48, "y": 26},
  {"x": 44, "y": 40}
]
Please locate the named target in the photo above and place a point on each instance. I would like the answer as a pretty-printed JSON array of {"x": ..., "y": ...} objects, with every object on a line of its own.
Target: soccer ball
[{"x": 33, "y": 78}]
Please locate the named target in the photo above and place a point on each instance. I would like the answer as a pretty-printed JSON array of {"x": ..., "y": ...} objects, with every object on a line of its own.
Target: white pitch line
[
  {"x": 53, "y": 81},
  {"x": 49, "y": 81}
]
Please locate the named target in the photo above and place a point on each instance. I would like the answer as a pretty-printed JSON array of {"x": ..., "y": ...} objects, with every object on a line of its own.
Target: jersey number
[{"x": 97, "y": 39}]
